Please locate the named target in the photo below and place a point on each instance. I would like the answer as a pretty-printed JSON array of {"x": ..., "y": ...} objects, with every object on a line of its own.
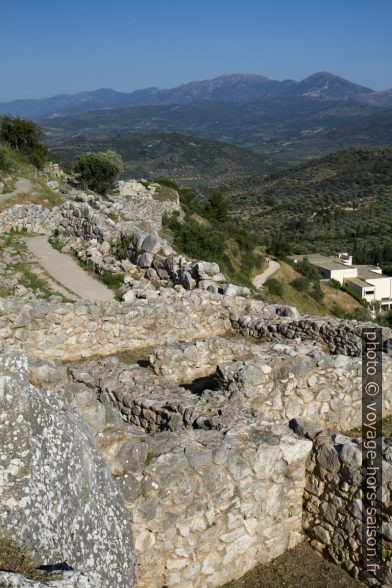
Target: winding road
[
  {"x": 260, "y": 279},
  {"x": 66, "y": 271}
]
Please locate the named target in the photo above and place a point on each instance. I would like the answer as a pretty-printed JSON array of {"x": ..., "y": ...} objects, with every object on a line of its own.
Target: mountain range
[{"x": 236, "y": 88}]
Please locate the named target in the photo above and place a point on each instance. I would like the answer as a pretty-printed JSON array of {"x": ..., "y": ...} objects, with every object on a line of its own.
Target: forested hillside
[
  {"x": 343, "y": 201},
  {"x": 187, "y": 160}
]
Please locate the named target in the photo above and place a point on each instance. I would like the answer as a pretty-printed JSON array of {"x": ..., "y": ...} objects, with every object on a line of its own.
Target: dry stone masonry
[
  {"x": 332, "y": 502},
  {"x": 179, "y": 437}
]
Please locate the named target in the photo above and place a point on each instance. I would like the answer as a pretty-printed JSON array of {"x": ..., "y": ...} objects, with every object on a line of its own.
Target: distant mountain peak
[{"x": 237, "y": 88}]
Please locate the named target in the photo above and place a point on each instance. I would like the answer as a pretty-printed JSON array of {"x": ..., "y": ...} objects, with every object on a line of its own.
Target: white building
[{"x": 367, "y": 281}]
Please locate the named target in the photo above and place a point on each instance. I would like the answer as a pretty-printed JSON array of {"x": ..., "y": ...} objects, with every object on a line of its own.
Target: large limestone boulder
[{"x": 57, "y": 496}]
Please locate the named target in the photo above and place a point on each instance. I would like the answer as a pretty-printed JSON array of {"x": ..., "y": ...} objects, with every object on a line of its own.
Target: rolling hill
[
  {"x": 289, "y": 130},
  {"x": 342, "y": 201},
  {"x": 187, "y": 160}
]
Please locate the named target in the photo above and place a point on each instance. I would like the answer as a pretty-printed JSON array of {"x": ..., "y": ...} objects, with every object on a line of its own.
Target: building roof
[
  {"x": 331, "y": 263},
  {"x": 360, "y": 283},
  {"x": 366, "y": 272}
]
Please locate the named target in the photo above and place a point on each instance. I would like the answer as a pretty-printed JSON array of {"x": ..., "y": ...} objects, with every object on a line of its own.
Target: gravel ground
[{"x": 300, "y": 567}]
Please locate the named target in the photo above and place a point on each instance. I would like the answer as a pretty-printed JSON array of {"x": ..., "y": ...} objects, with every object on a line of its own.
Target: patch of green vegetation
[
  {"x": 85, "y": 495},
  {"x": 14, "y": 241},
  {"x": 386, "y": 428},
  {"x": 113, "y": 216},
  {"x": 274, "y": 287},
  {"x": 5, "y": 291},
  {"x": 98, "y": 171},
  {"x": 338, "y": 203},
  {"x": 353, "y": 294},
  {"x": 165, "y": 193},
  {"x": 55, "y": 242},
  {"x": 9, "y": 186},
  {"x": 35, "y": 283},
  {"x": 24, "y": 137},
  {"x": 17, "y": 558},
  {"x": 113, "y": 280},
  {"x": 205, "y": 233}
]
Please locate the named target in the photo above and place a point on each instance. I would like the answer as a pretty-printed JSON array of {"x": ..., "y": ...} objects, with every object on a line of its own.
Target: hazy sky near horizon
[{"x": 50, "y": 47}]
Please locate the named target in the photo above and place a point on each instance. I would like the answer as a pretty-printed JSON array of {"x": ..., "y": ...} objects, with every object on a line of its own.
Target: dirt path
[
  {"x": 66, "y": 271},
  {"x": 22, "y": 186},
  {"x": 259, "y": 280}
]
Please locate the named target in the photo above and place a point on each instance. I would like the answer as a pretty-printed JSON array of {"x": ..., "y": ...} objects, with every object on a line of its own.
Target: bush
[
  {"x": 113, "y": 280},
  {"x": 334, "y": 284},
  {"x": 274, "y": 287},
  {"x": 357, "y": 297},
  {"x": 98, "y": 171},
  {"x": 359, "y": 314},
  {"x": 300, "y": 284}
]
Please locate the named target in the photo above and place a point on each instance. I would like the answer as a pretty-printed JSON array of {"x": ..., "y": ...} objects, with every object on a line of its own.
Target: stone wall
[
  {"x": 88, "y": 216},
  {"x": 144, "y": 206},
  {"x": 286, "y": 380},
  {"x": 31, "y": 217},
  {"x": 83, "y": 329},
  {"x": 76, "y": 219},
  {"x": 213, "y": 505},
  {"x": 339, "y": 336},
  {"x": 332, "y": 503}
]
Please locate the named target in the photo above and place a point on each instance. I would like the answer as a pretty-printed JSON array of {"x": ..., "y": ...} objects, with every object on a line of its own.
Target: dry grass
[
  {"x": 14, "y": 558},
  {"x": 337, "y": 297},
  {"x": 304, "y": 302},
  {"x": 386, "y": 428},
  {"x": 46, "y": 200}
]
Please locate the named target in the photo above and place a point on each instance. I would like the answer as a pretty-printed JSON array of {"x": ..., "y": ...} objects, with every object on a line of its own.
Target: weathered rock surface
[
  {"x": 66, "y": 579},
  {"x": 56, "y": 494}
]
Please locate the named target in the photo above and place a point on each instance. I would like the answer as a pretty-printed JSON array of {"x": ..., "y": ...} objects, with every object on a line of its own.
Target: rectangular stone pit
[{"x": 212, "y": 506}]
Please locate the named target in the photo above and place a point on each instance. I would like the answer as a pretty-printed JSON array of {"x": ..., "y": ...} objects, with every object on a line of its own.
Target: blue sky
[{"x": 49, "y": 47}]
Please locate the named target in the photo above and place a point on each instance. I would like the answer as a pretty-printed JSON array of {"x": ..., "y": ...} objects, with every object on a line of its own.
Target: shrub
[
  {"x": 113, "y": 281},
  {"x": 98, "y": 171},
  {"x": 354, "y": 295},
  {"x": 334, "y": 284},
  {"x": 274, "y": 287},
  {"x": 300, "y": 284}
]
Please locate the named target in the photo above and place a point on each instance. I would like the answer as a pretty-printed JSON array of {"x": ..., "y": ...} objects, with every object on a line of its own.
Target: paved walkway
[
  {"x": 259, "y": 280},
  {"x": 22, "y": 186},
  {"x": 66, "y": 271}
]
